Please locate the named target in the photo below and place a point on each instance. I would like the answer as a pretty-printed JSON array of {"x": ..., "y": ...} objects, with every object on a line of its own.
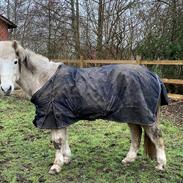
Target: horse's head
[{"x": 11, "y": 56}]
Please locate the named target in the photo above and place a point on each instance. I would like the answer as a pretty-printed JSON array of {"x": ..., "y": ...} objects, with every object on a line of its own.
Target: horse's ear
[
  {"x": 15, "y": 44},
  {"x": 19, "y": 50}
]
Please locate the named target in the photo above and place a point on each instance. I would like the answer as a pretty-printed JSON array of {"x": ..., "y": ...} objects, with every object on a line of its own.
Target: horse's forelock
[
  {"x": 19, "y": 51},
  {"x": 19, "y": 65},
  {"x": 23, "y": 57},
  {"x": 28, "y": 63},
  {"x": 15, "y": 47}
]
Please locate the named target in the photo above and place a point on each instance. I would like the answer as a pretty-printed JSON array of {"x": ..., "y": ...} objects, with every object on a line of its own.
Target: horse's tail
[{"x": 149, "y": 147}]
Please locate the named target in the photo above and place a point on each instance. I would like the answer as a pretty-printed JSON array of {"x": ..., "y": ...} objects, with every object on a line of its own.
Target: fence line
[
  {"x": 143, "y": 62},
  {"x": 173, "y": 81},
  {"x": 85, "y": 63}
]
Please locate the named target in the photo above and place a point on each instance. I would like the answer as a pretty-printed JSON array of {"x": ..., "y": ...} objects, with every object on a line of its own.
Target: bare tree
[
  {"x": 75, "y": 26},
  {"x": 100, "y": 28}
]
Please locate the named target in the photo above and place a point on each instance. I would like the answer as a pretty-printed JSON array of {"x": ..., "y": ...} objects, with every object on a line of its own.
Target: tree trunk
[
  {"x": 8, "y": 9},
  {"x": 49, "y": 30},
  {"x": 15, "y": 17},
  {"x": 174, "y": 21},
  {"x": 75, "y": 27},
  {"x": 100, "y": 28}
]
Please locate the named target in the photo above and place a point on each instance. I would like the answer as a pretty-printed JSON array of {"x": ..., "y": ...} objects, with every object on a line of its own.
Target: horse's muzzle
[{"x": 6, "y": 92}]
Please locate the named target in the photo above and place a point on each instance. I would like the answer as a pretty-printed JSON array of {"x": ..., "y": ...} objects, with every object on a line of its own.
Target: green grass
[{"x": 26, "y": 153}]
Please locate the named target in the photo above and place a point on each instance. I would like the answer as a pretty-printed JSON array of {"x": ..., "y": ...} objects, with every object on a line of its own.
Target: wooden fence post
[
  {"x": 138, "y": 59},
  {"x": 81, "y": 62}
]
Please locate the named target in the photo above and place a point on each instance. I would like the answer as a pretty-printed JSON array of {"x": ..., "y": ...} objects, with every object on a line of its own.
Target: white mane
[
  {"x": 37, "y": 60},
  {"x": 36, "y": 56}
]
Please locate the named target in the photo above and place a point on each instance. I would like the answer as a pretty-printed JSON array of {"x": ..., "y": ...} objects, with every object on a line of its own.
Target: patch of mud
[{"x": 173, "y": 111}]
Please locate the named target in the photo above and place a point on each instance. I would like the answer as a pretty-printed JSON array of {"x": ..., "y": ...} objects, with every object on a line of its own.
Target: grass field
[{"x": 26, "y": 153}]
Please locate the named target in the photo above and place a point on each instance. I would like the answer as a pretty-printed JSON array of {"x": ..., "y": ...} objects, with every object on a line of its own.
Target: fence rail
[
  {"x": 143, "y": 62},
  {"x": 85, "y": 63}
]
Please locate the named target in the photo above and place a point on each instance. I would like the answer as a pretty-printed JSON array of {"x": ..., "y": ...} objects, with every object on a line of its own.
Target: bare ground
[{"x": 174, "y": 111}]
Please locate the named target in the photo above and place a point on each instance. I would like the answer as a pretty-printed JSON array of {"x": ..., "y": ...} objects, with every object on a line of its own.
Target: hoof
[
  {"x": 67, "y": 160},
  {"x": 55, "y": 169},
  {"x": 127, "y": 161},
  {"x": 160, "y": 167}
]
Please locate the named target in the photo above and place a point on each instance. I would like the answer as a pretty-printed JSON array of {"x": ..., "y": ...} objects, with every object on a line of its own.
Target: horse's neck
[{"x": 32, "y": 82}]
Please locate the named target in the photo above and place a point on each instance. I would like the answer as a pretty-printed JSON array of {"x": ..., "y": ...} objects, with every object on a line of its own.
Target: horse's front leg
[
  {"x": 62, "y": 155},
  {"x": 66, "y": 149}
]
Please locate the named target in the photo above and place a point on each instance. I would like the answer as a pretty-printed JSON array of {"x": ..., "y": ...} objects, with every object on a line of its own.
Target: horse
[{"x": 33, "y": 72}]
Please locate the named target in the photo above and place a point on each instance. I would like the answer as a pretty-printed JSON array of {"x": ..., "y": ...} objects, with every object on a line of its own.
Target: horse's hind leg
[
  {"x": 136, "y": 132},
  {"x": 59, "y": 138},
  {"x": 155, "y": 136}
]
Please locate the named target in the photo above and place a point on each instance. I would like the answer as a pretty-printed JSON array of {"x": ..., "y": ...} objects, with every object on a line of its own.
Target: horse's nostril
[
  {"x": 2, "y": 89},
  {"x": 9, "y": 90}
]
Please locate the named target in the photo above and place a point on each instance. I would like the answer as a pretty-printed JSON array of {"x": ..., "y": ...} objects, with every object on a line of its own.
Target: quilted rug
[{"x": 121, "y": 93}]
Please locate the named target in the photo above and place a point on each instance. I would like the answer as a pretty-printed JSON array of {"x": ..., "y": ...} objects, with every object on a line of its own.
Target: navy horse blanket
[{"x": 121, "y": 93}]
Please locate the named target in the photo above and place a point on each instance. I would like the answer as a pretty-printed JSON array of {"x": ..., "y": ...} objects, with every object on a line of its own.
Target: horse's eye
[{"x": 15, "y": 62}]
